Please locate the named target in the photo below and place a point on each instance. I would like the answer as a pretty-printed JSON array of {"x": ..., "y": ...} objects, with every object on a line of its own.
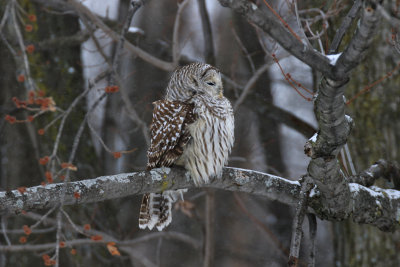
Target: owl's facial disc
[{"x": 212, "y": 83}]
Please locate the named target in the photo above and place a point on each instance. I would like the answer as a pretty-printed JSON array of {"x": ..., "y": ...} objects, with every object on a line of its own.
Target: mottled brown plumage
[
  {"x": 169, "y": 132},
  {"x": 193, "y": 127}
]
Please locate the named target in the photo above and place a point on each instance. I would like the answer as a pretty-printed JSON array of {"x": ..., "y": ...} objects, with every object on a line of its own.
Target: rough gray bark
[
  {"x": 269, "y": 23},
  {"x": 379, "y": 207},
  {"x": 334, "y": 125}
]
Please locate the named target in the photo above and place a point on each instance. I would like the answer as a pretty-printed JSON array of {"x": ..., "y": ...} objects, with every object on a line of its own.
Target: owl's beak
[{"x": 220, "y": 95}]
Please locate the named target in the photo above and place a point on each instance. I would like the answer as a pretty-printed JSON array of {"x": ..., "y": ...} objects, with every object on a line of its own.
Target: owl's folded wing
[{"x": 168, "y": 132}]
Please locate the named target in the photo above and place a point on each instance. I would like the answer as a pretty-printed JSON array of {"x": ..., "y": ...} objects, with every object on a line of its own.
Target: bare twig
[
  {"x": 3, "y": 228},
  {"x": 63, "y": 41},
  {"x": 34, "y": 231},
  {"x": 312, "y": 224},
  {"x": 133, "y": 7},
  {"x": 175, "y": 34},
  {"x": 296, "y": 11},
  {"x": 67, "y": 112},
  {"x": 250, "y": 83},
  {"x": 269, "y": 24},
  {"x": 121, "y": 243},
  {"x": 74, "y": 226},
  {"x": 244, "y": 49},
  {"x": 31, "y": 85},
  {"x": 280, "y": 248},
  {"x": 209, "y": 229},
  {"x": 297, "y": 231},
  {"x": 393, "y": 21},
  {"x": 132, "y": 113},
  {"x": 349, "y": 159},
  {"x": 58, "y": 237},
  {"x": 42, "y": 218},
  {"x": 207, "y": 33},
  {"x": 167, "y": 66},
  {"x": 5, "y": 16}
]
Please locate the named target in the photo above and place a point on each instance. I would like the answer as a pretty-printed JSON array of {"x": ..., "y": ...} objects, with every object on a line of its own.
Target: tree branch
[
  {"x": 346, "y": 23},
  {"x": 138, "y": 183},
  {"x": 379, "y": 207},
  {"x": 356, "y": 51},
  {"x": 209, "y": 52},
  {"x": 269, "y": 24},
  {"x": 164, "y": 65}
]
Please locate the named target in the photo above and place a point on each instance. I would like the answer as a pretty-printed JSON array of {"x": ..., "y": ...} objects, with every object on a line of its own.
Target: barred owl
[{"x": 193, "y": 126}]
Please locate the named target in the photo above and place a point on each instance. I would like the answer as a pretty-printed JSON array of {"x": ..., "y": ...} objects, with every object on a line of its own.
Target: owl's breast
[{"x": 212, "y": 138}]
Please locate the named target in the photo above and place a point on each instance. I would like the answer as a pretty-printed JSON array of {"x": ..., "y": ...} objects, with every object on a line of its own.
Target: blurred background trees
[{"x": 55, "y": 49}]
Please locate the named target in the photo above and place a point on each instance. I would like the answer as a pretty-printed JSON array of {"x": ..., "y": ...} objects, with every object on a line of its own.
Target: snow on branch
[
  {"x": 380, "y": 207},
  {"x": 137, "y": 183}
]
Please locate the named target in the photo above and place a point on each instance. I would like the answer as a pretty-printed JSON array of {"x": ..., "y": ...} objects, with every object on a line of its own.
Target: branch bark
[
  {"x": 271, "y": 25},
  {"x": 379, "y": 207},
  {"x": 334, "y": 125},
  {"x": 356, "y": 50}
]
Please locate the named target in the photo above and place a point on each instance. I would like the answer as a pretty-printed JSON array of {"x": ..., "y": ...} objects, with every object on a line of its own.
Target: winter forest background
[{"x": 77, "y": 81}]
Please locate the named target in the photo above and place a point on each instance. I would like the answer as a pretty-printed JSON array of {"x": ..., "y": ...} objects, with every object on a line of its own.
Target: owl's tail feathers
[{"x": 156, "y": 209}]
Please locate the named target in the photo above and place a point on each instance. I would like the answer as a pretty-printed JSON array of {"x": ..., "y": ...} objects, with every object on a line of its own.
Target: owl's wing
[{"x": 168, "y": 132}]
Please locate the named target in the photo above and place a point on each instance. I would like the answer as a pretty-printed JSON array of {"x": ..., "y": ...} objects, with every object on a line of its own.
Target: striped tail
[{"x": 155, "y": 210}]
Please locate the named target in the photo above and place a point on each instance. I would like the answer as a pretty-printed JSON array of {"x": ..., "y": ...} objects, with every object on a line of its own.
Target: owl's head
[{"x": 192, "y": 79}]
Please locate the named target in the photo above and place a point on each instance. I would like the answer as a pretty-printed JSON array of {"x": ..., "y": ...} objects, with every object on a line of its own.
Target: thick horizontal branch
[
  {"x": 379, "y": 207},
  {"x": 138, "y": 183}
]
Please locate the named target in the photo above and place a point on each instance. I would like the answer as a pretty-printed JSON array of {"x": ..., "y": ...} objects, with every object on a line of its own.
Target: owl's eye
[{"x": 211, "y": 83}]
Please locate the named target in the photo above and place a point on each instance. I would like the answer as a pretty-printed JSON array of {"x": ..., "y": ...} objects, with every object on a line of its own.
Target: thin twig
[
  {"x": 132, "y": 114},
  {"x": 209, "y": 52},
  {"x": 158, "y": 251},
  {"x": 99, "y": 137},
  {"x": 42, "y": 218},
  {"x": 251, "y": 82},
  {"x": 296, "y": 11},
  {"x": 312, "y": 224},
  {"x": 5, "y": 16},
  {"x": 393, "y": 21},
  {"x": 280, "y": 248},
  {"x": 58, "y": 236},
  {"x": 297, "y": 231},
  {"x": 133, "y": 7},
  {"x": 31, "y": 85},
  {"x": 74, "y": 226},
  {"x": 167, "y": 66},
  {"x": 244, "y": 49},
  {"x": 4, "y": 227},
  {"x": 67, "y": 112},
  {"x": 13, "y": 52},
  {"x": 209, "y": 229},
  {"x": 175, "y": 34},
  {"x": 34, "y": 231},
  {"x": 350, "y": 160}
]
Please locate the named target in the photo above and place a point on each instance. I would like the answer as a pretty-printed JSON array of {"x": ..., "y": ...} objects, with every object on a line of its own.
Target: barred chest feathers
[{"x": 212, "y": 138}]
